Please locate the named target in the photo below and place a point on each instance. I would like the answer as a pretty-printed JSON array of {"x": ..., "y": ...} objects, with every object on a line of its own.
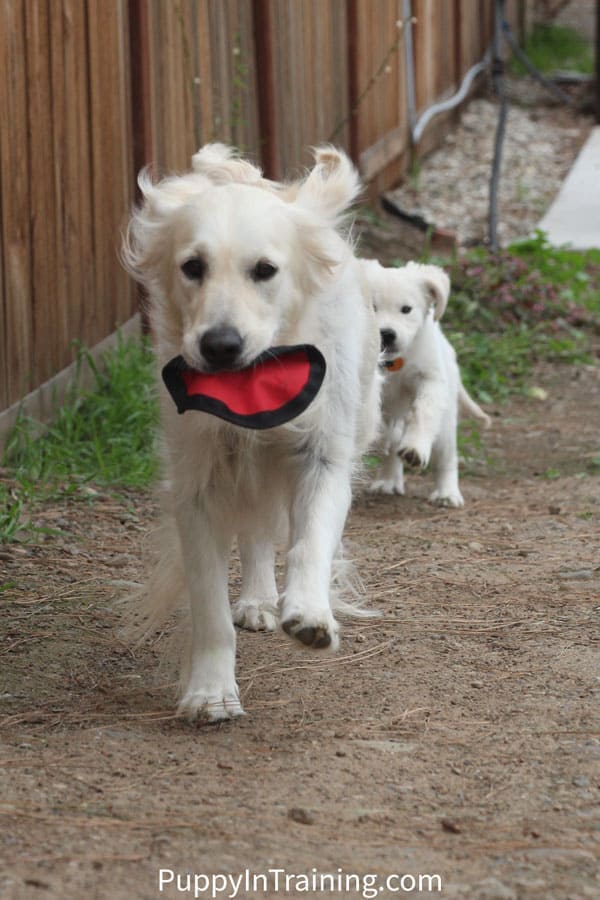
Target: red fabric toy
[{"x": 275, "y": 388}]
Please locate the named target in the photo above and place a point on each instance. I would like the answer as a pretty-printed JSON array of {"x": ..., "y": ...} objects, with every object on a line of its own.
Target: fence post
[
  {"x": 140, "y": 107},
  {"x": 352, "y": 19},
  {"x": 265, "y": 85},
  {"x": 139, "y": 69}
]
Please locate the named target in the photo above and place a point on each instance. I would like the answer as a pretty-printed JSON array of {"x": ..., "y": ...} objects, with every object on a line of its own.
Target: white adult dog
[
  {"x": 423, "y": 392},
  {"x": 234, "y": 265}
]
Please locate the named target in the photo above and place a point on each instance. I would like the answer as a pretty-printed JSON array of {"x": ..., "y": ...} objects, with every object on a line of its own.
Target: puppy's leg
[
  {"x": 445, "y": 466},
  {"x": 318, "y": 513},
  {"x": 257, "y": 608},
  {"x": 390, "y": 476},
  {"x": 423, "y": 422},
  {"x": 209, "y": 689}
]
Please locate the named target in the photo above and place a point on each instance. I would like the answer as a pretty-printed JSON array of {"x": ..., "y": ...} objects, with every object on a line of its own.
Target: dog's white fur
[
  {"x": 224, "y": 482},
  {"x": 422, "y": 400}
]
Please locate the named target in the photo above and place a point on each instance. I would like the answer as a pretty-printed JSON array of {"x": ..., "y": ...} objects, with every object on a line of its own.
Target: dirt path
[{"x": 458, "y": 735}]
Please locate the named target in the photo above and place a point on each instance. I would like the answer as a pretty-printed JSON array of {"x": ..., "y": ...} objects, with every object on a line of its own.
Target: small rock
[
  {"x": 537, "y": 393},
  {"x": 475, "y": 545},
  {"x": 580, "y": 781},
  {"x": 451, "y": 826},
  {"x": 340, "y": 753},
  {"x": 477, "y": 684},
  {"x": 576, "y": 575},
  {"x": 360, "y": 638},
  {"x": 300, "y": 815},
  {"x": 554, "y": 510},
  {"x": 492, "y": 889}
]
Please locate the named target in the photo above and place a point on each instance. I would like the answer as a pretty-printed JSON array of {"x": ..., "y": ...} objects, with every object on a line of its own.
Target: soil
[{"x": 458, "y": 734}]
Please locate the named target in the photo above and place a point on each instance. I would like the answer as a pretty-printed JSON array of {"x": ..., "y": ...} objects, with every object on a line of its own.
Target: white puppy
[
  {"x": 235, "y": 265},
  {"x": 423, "y": 392}
]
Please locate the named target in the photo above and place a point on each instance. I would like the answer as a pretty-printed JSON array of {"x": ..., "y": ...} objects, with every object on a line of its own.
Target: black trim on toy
[{"x": 174, "y": 370}]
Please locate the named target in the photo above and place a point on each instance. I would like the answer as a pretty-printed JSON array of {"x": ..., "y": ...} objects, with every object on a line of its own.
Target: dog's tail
[
  {"x": 146, "y": 610},
  {"x": 347, "y": 589},
  {"x": 469, "y": 408}
]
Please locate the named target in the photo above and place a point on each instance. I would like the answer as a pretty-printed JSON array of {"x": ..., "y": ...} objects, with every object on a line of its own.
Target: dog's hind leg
[
  {"x": 209, "y": 689},
  {"x": 318, "y": 513},
  {"x": 257, "y": 608}
]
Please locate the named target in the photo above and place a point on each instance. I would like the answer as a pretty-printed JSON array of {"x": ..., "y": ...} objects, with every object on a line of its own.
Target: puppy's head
[
  {"x": 232, "y": 264},
  {"x": 403, "y": 299}
]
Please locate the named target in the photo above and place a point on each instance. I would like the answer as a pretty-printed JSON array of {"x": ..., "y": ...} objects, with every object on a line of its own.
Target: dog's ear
[
  {"x": 331, "y": 186},
  {"x": 142, "y": 241},
  {"x": 436, "y": 285},
  {"x": 222, "y": 165}
]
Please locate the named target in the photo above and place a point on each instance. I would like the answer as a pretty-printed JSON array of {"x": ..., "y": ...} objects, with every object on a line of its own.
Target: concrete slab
[{"x": 574, "y": 217}]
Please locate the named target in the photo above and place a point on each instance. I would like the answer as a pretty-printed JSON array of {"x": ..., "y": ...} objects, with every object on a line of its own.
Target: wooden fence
[{"x": 92, "y": 89}]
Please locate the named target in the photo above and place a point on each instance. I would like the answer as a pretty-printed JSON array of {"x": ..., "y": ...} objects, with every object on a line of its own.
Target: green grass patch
[
  {"x": 102, "y": 436},
  {"x": 511, "y": 309},
  {"x": 553, "y": 48}
]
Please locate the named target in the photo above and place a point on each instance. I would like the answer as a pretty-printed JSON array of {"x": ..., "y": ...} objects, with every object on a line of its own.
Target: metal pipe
[{"x": 452, "y": 101}]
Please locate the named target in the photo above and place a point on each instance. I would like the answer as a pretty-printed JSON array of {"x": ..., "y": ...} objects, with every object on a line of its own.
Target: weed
[
  {"x": 104, "y": 436},
  {"x": 508, "y": 310},
  {"x": 552, "y": 48}
]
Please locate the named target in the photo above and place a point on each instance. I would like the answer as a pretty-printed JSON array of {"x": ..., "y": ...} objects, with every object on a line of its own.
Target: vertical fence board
[
  {"x": 72, "y": 164},
  {"x": 15, "y": 194},
  {"x": 45, "y": 267},
  {"x": 112, "y": 165},
  {"x": 58, "y": 142}
]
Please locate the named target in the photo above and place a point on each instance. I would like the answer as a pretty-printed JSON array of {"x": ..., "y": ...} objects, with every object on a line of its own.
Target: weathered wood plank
[{"x": 16, "y": 376}]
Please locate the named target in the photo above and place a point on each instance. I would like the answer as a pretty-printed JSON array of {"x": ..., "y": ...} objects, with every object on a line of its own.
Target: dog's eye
[
  {"x": 194, "y": 269},
  {"x": 406, "y": 309},
  {"x": 263, "y": 270}
]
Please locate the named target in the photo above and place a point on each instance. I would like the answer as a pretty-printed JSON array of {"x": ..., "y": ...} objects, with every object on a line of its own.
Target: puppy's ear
[
  {"x": 222, "y": 165},
  {"x": 436, "y": 285},
  {"x": 331, "y": 186}
]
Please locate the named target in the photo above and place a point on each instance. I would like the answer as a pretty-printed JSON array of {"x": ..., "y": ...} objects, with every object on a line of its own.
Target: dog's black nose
[
  {"x": 221, "y": 346},
  {"x": 388, "y": 336}
]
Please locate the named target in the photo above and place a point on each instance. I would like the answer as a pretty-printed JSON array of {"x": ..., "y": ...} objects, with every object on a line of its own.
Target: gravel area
[{"x": 451, "y": 187}]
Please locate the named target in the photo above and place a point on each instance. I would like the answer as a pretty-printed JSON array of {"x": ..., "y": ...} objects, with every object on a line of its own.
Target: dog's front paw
[
  {"x": 255, "y": 615},
  {"x": 415, "y": 453},
  {"x": 210, "y": 705},
  {"x": 452, "y": 498},
  {"x": 318, "y": 631},
  {"x": 386, "y": 486}
]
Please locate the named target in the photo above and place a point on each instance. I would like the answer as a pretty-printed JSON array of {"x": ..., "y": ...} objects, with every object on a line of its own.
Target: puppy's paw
[
  {"x": 318, "y": 631},
  {"x": 452, "y": 498},
  {"x": 210, "y": 705},
  {"x": 415, "y": 453},
  {"x": 255, "y": 615},
  {"x": 386, "y": 486}
]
